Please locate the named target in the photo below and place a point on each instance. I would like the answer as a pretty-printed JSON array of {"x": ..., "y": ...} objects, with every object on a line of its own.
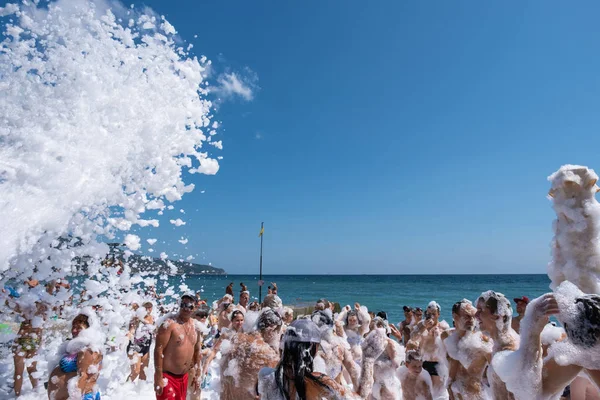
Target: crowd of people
[{"x": 251, "y": 350}]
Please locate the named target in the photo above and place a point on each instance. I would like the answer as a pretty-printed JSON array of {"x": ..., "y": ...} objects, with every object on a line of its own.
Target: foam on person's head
[
  {"x": 433, "y": 305},
  {"x": 497, "y": 302},
  {"x": 323, "y": 319},
  {"x": 413, "y": 355},
  {"x": 464, "y": 304},
  {"x": 575, "y": 247},
  {"x": 268, "y": 318},
  {"x": 580, "y": 316},
  {"x": 379, "y": 322},
  {"x": 272, "y": 301}
]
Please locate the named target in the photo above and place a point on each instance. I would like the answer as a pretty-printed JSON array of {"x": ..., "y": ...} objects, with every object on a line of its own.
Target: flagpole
[{"x": 262, "y": 226}]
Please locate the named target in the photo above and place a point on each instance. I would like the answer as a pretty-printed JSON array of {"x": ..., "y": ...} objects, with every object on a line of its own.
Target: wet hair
[
  {"x": 382, "y": 315},
  {"x": 83, "y": 318},
  {"x": 494, "y": 301},
  {"x": 299, "y": 357},
  {"x": 584, "y": 330},
  {"x": 413, "y": 355},
  {"x": 204, "y": 314},
  {"x": 268, "y": 318},
  {"x": 407, "y": 309},
  {"x": 321, "y": 318},
  {"x": 235, "y": 314}
]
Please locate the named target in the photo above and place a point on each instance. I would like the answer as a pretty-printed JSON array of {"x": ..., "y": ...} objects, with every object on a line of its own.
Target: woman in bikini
[
  {"x": 141, "y": 332},
  {"x": 28, "y": 342},
  {"x": 80, "y": 361}
]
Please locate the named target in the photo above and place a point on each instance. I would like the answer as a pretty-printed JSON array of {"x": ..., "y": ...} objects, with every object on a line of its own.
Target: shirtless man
[
  {"x": 495, "y": 316},
  {"x": 247, "y": 354},
  {"x": 416, "y": 383},
  {"x": 244, "y": 298},
  {"x": 429, "y": 335},
  {"x": 469, "y": 351},
  {"x": 521, "y": 303},
  {"x": 225, "y": 310},
  {"x": 178, "y": 349},
  {"x": 406, "y": 325}
]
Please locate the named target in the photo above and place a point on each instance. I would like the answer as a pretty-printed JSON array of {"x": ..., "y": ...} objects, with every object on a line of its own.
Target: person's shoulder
[
  {"x": 166, "y": 323},
  {"x": 328, "y": 387},
  {"x": 325, "y": 380}
]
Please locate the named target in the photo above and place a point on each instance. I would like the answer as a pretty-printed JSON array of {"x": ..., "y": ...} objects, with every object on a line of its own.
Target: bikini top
[{"x": 68, "y": 363}]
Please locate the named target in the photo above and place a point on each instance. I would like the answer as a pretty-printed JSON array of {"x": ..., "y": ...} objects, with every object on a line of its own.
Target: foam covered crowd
[
  {"x": 105, "y": 111},
  {"x": 234, "y": 348}
]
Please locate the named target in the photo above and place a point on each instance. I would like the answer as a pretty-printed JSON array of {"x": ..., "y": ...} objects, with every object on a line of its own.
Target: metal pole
[{"x": 262, "y": 225}]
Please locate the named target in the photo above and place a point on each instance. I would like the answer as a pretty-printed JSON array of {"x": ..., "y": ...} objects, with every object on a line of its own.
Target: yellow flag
[{"x": 262, "y": 230}]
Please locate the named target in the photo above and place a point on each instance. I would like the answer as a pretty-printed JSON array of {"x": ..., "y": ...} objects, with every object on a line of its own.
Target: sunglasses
[{"x": 188, "y": 306}]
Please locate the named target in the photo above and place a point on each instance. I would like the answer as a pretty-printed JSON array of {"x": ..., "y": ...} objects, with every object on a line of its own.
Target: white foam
[
  {"x": 86, "y": 153},
  {"x": 567, "y": 352},
  {"x": 575, "y": 247}
]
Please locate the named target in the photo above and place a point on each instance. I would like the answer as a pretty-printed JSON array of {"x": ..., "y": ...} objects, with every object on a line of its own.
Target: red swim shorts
[{"x": 175, "y": 388}]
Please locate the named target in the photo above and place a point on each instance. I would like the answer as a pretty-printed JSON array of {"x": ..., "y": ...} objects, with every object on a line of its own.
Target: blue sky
[{"x": 389, "y": 137}]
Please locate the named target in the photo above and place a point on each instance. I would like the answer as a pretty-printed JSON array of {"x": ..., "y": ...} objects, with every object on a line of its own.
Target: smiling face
[
  {"x": 237, "y": 322},
  {"x": 80, "y": 323}
]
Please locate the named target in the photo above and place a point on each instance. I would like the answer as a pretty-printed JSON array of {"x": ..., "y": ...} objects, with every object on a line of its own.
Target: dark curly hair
[{"x": 584, "y": 330}]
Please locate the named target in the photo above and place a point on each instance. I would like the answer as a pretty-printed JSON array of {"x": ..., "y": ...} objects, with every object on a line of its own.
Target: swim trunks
[
  {"x": 430, "y": 367},
  {"x": 175, "y": 388}
]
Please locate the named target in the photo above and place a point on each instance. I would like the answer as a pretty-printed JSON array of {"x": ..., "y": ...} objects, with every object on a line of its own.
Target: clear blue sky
[{"x": 394, "y": 137}]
